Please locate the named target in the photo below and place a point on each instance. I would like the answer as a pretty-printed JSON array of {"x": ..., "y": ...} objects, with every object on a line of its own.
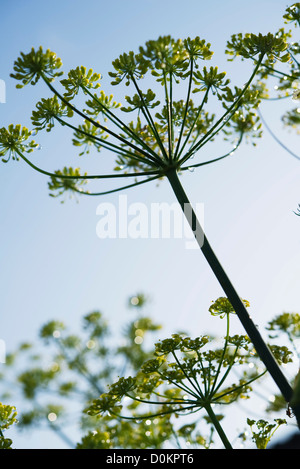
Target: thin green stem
[
  {"x": 276, "y": 138},
  {"x": 96, "y": 124},
  {"x": 92, "y": 176},
  {"x": 121, "y": 125},
  {"x": 294, "y": 59},
  {"x": 108, "y": 145},
  {"x": 231, "y": 152},
  {"x": 185, "y": 110},
  {"x": 229, "y": 368},
  {"x": 220, "y": 396},
  {"x": 223, "y": 119},
  {"x": 145, "y": 401},
  {"x": 198, "y": 390},
  {"x": 200, "y": 362},
  {"x": 116, "y": 190},
  {"x": 214, "y": 386},
  {"x": 206, "y": 373},
  {"x": 181, "y": 386},
  {"x": 278, "y": 98},
  {"x": 170, "y": 112},
  {"x": 176, "y": 399},
  {"x": 150, "y": 416},
  {"x": 190, "y": 152},
  {"x": 167, "y": 99},
  {"x": 279, "y": 72},
  {"x": 149, "y": 119}
]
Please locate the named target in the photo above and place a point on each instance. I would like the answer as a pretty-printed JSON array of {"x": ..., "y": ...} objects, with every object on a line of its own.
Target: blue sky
[{"x": 53, "y": 265}]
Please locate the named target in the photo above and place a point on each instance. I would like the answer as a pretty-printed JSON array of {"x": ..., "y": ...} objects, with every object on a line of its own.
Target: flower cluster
[
  {"x": 250, "y": 45},
  {"x": 222, "y": 307},
  {"x": 100, "y": 103},
  {"x": 138, "y": 101},
  {"x": 293, "y": 14},
  {"x": 79, "y": 78},
  {"x": 89, "y": 136},
  {"x": 66, "y": 180},
  {"x": 29, "y": 68},
  {"x": 15, "y": 140},
  {"x": 128, "y": 67},
  {"x": 210, "y": 79},
  {"x": 8, "y": 416},
  {"x": 264, "y": 431},
  {"x": 47, "y": 110}
]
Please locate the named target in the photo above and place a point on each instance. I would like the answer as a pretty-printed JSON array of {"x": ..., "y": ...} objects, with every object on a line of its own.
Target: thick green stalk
[
  {"x": 260, "y": 346},
  {"x": 218, "y": 427}
]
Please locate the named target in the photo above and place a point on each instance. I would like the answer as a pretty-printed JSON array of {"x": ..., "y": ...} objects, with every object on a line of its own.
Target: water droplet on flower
[
  {"x": 191, "y": 169},
  {"x": 90, "y": 344},
  {"x": 34, "y": 132},
  {"x": 138, "y": 340},
  {"x": 52, "y": 417},
  {"x": 39, "y": 147}
]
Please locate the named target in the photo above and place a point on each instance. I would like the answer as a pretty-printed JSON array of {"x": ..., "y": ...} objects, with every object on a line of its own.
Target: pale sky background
[{"x": 53, "y": 265}]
